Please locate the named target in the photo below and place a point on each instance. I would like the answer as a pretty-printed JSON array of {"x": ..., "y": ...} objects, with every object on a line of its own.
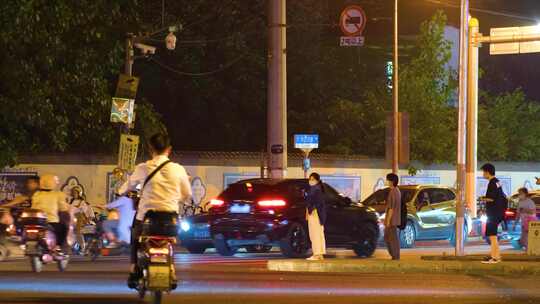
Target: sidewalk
[{"x": 422, "y": 260}]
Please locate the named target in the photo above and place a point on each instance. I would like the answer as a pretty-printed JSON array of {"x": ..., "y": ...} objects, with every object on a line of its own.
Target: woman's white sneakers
[
  {"x": 491, "y": 260},
  {"x": 315, "y": 258}
]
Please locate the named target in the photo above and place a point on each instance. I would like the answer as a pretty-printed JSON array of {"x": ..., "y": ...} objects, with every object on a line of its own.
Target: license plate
[
  {"x": 159, "y": 276},
  {"x": 236, "y": 208},
  {"x": 201, "y": 234}
]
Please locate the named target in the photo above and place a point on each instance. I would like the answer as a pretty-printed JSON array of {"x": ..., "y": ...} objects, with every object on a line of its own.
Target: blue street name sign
[{"x": 306, "y": 141}]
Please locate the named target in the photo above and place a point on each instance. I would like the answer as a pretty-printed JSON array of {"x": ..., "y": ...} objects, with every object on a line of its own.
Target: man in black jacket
[{"x": 496, "y": 202}]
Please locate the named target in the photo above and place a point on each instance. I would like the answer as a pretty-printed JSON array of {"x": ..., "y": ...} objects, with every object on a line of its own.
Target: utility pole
[
  {"x": 395, "y": 93},
  {"x": 277, "y": 89},
  {"x": 472, "y": 115},
  {"x": 462, "y": 115}
]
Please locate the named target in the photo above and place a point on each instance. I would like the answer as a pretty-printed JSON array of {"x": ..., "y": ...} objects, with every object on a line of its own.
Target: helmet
[{"x": 48, "y": 182}]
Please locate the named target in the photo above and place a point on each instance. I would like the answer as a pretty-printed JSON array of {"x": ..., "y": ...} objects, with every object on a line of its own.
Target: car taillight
[
  {"x": 32, "y": 231},
  {"x": 272, "y": 203},
  {"x": 509, "y": 213},
  {"x": 216, "y": 203}
]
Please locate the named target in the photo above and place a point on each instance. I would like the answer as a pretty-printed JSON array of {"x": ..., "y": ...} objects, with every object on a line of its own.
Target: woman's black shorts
[{"x": 492, "y": 225}]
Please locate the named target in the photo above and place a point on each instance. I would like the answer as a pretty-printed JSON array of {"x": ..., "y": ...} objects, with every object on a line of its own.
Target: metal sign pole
[{"x": 395, "y": 120}]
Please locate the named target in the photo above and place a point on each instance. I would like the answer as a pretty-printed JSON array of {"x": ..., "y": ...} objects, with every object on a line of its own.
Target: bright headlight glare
[{"x": 185, "y": 226}]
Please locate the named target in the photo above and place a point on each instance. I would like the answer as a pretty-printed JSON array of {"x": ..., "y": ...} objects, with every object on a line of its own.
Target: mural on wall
[
  {"x": 379, "y": 184},
  {"x": 349, "y": 186},
  {"x": 12, "y": 183},
  {"x": 529, "y": 185},
  {"x": 481, "y": 185},
  {"x": 231, "y": 178},
  {"x": 113, "y": 183},
  {"x": 70, "y": 183},
  {"x": 420, "y": 180},
  {"x": 198, "y": 190}
]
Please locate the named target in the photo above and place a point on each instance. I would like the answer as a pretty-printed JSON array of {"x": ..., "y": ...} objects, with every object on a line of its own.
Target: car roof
[
  {"x": 271, "y": 181},
  {"x": 414, "y": 187}
]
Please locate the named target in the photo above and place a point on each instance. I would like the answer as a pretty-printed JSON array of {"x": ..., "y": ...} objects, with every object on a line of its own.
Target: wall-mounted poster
[
  {"x": 12, "y": 184},
  {"x": 231, "y": 178},
  {"x": 349, "y": 186},
  {"x": 420, "y": 180}
]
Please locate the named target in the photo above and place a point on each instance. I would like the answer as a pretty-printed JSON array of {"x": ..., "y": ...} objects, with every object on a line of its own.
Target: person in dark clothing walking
[
  {"x": 496, "y": 203},
  {"x": 392, "y": 218},
  {"x": 316, "y": 217}
]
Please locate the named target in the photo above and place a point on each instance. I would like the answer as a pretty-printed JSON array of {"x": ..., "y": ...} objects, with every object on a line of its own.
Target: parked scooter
[
  {"x": 156, "y": 255},
  {"x": 40, "y": 241}
]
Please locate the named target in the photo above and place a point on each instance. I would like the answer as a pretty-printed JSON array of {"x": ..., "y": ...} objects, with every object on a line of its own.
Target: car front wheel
[
  {"x": 196, "y": 249},
  {"x": 407, "y": 236},
  {"x": 295, "y": 243},
  {"x": 367, "y": 241}
]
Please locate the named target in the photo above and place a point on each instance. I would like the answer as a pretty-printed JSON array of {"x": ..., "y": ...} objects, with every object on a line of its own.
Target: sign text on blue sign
[{"x": 306, "y": 141}]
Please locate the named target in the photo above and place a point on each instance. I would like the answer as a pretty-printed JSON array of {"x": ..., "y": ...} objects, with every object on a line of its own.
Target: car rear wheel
[
  {"x": 196, "y": 249},
  {"x": 295, "y": 243},
  {"x": 222, "y": 247},
  {"x": 407, "y": 236},
  {"x": 367, "y": 241},
  {"x": 258, "y": 248}
]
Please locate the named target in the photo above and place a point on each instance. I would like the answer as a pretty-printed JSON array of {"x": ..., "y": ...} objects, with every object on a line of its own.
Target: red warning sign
[{"x": 353, "y": 20}]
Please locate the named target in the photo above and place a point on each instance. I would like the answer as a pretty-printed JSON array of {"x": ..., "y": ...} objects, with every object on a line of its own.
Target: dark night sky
[{"x": 505, "y": 72}]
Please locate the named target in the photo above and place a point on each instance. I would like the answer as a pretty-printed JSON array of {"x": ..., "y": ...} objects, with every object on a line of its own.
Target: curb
[
  {"x": 478, "y": 257},
  {"x": 419, "y": 266}
]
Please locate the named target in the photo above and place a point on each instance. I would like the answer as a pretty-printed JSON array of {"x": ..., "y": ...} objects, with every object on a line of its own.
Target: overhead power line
[
  {"x": 200, "y": 74},
  {"x": 485, "y": 11}
]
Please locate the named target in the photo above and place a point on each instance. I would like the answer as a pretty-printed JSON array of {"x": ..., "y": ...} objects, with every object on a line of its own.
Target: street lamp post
[
  {"x": 461, "y": 140},
  {"x": 395, "y": 95}
]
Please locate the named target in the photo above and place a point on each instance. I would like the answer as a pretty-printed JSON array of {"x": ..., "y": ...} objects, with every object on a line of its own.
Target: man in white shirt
[{"x": 164, "y": 191}]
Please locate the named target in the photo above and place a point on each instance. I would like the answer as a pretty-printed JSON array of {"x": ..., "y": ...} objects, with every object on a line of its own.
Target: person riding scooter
[
  {"x": 164, "y": 186},
  {"x": 54, "y": 204}
]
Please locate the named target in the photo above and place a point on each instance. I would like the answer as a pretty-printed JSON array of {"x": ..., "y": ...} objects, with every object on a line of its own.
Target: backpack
[{"x": 403, "y": 214}]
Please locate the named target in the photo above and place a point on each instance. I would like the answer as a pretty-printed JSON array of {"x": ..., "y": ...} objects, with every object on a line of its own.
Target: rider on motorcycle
[
  {"x": 55, "y": 206},
  {"x": 165, "y": 185}
]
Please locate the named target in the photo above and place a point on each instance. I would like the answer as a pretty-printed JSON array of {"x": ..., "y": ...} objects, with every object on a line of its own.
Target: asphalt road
[{"x": 244, "y": 279}]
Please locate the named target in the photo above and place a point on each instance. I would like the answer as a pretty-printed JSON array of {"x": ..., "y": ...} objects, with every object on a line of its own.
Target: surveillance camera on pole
[
  {"x": 170, "y": 41},
  {"x": 145, "y": 49}
]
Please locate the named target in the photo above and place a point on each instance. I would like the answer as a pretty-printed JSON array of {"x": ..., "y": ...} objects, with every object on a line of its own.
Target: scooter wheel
[
  {"x": 157, "y": 297},
  {"x": 4, "y": 253},
  {"x": 37, "y": 264},
  {"x": 62, "y": 264}
]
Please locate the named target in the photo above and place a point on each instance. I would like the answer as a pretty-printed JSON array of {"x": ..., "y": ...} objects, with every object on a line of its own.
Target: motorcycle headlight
[{"x": 185, "y": 226}]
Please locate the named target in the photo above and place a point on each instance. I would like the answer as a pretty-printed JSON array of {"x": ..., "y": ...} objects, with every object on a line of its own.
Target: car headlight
[
  {"x": 185, "y": 226},
  {"x": 382, "y": 217},
  {"x": 483, "y": 218}
]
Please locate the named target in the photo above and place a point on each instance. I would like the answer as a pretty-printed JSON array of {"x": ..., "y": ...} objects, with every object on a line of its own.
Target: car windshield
[{"x": 379, "y": 196}]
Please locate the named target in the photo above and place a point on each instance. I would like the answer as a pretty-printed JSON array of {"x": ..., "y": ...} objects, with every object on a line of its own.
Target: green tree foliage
[
  {"x": 58, "y": 63},
  {"x": 508, "y": 127},
  {"x": 427, "y": 86}
]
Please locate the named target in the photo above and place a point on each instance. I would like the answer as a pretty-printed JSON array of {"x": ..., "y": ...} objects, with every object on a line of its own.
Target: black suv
[{"x": 272, "y": 212}]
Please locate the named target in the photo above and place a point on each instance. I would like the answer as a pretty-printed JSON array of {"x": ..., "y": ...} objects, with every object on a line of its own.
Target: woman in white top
[{"x": 526, "y": 212}]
